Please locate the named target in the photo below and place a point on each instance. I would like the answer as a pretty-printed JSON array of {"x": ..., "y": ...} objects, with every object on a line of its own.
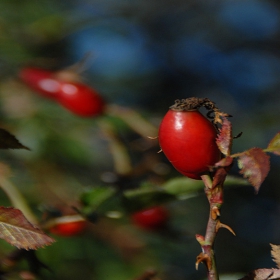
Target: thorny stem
[
  {"x": 214, "y": 193},
  {"x": 210, "y": 235}
]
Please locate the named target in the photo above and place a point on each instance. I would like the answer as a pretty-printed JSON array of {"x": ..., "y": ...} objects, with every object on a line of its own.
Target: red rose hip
[
  {"x": 41, "y": 81},
  {"x": 80, "y": 99},
  {"x": 151, "y": 218},
  {"x": 68, "y": 227},
  {"x": 75, "y": 96},
  {"x": 188, "y": 139}
]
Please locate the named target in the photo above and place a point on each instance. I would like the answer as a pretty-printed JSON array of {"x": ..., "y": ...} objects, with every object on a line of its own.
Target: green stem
[{"x": 17, "y": 200}]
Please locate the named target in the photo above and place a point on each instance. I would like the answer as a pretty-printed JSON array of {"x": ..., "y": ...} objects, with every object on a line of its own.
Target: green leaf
[
  {"x": 183, "y": 187},
  {"x": 145, "y": 197},
  {"x": 96, "y": 196},
  {"x": 274, "y": 144},
  {"x": 18, "y": 231},
  {"x": 104, "y": 201},
  {"x": 175, "y": 189}
]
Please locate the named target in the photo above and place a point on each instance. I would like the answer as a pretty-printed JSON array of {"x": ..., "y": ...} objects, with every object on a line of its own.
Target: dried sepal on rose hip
[{"x": 188, "y": 138}]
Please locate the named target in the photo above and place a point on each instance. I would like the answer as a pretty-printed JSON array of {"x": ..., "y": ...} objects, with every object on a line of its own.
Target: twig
[{"x": 214, "y": 193}]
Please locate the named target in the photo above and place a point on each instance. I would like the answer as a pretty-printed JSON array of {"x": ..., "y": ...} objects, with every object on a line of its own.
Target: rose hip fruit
[{"x": 188, "y": 139}]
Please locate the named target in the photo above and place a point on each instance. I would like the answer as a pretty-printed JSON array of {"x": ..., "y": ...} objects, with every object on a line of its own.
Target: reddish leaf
[
  {"x": 224, "y": 139},
  {"x": 16, "y": 230},
  {"x": 9, "y": 141},
  {"x": 274, "y": 144},
  {"x": 263, "y": 274},
  {"x": 254, "y": 165},
  {"x": 224, "y": 162},
  {"x": 275, "y": 252}
]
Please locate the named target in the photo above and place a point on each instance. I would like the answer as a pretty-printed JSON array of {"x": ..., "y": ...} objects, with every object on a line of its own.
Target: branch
[{"x": 214, "y": 193}]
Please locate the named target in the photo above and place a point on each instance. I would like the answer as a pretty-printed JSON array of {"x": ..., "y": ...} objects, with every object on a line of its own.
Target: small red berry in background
[
  {"x": 80, "y": 99},
  {"x": 188, "y": 139},
  {"x": 76, "y": 97},
  {"x": 68, "y": 227},
  {"x": 41, "y": 81},
  {"x": 151, "y": 218}
]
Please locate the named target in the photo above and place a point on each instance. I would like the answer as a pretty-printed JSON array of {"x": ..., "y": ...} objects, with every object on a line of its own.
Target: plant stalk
[{"x": 214, "y": 193}]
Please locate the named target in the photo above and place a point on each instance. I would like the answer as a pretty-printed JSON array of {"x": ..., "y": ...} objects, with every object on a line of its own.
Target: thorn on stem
[
  {"x": 159, "y": 151},
  {"x": 221, "y": 225},
  {"x": 202, "y": 257},
  {"x": 152, "y": 137},
  {"x": 215, "y": 213}
]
